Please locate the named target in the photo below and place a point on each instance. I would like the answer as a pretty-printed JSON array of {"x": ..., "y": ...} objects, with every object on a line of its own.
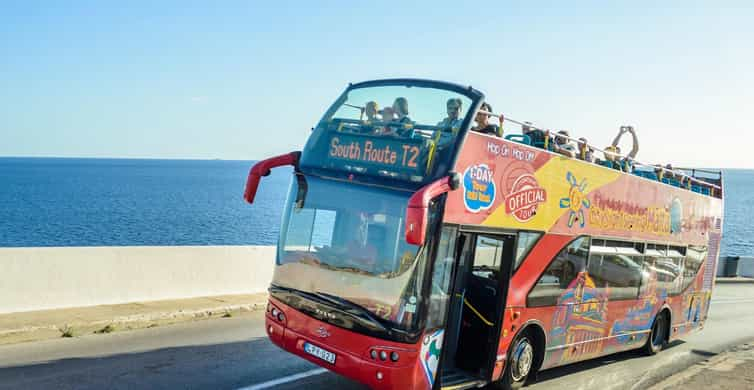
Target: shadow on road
[
  {"x": 213, "y": 366},
  {"x": 558, "y": 372},
  {"x": 216, "y": 366}
]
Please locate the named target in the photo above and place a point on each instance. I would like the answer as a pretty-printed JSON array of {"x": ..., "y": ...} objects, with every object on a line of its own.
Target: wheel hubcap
[{"x": 523, "y": 355}]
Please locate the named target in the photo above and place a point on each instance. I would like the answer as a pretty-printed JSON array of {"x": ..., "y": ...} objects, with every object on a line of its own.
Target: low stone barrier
[
  {"x": 732, "y": 266},
  {"x": 54, "y": 278},
  {"x": 746, "y": 266}
]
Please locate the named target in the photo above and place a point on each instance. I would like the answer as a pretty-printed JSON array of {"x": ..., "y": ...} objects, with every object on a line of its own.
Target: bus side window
[
  {"x": 525, "y": 242},
  {"x": 560, "y": 275},
  {"x": 695, "y": 256},
  {"x": 647, "y": 271},
  {"x": 620, "y": 274}
]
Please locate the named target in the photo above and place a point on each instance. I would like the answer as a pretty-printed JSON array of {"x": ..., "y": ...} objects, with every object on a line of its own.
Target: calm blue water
[{"x": 92, "y": 202}]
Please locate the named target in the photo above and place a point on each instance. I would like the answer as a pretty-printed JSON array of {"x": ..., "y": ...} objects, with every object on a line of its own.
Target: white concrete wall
[{"x": 51, "y": 278}]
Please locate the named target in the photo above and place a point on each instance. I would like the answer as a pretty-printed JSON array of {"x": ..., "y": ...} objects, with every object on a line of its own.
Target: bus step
[{"x": 454, "y": 379}]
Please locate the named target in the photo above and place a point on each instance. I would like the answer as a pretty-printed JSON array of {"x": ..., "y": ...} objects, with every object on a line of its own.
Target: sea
[{"x": 128, "y": 202}]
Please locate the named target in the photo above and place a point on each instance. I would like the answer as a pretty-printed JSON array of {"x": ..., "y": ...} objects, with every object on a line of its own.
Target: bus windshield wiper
[{"x": 355, "y": 309}]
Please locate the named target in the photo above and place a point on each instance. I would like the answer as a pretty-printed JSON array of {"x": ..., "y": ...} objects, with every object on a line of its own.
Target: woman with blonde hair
[{"x": 400, "y": 107}]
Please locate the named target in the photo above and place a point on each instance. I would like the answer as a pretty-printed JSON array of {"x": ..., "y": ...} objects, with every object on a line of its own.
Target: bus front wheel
[
  {"x": 521, "y": 360},
  {"x": 658, "y": 336}
]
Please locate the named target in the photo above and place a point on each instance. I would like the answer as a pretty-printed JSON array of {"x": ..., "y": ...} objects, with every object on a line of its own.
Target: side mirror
[
  {"x": 263, "y": 168},
  {"x": 417, "y": 217}
]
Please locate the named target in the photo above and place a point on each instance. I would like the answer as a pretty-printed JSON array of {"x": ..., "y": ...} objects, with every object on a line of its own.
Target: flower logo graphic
[{"x": 576, "y": 201}]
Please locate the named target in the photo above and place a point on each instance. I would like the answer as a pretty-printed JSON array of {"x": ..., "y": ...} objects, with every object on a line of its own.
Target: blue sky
[{"x": 245, "y": 80}]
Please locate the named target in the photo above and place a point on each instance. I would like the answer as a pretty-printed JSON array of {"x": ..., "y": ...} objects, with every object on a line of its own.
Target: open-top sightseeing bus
[{"x": 415, "y": 253}]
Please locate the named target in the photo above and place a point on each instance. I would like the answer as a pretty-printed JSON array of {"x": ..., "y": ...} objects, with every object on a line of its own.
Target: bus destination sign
[{"x": 407, "y": 156}]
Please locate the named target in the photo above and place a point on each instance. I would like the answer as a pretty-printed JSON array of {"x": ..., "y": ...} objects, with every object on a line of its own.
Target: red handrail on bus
[
  {"x": 418, "y": 205},
  {"x": 263, "y": 168}
]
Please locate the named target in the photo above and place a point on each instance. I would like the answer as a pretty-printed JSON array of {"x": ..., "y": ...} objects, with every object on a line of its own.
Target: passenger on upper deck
[
  {"x": 388, "y": 116},
  {"x": 369, "y": 118},
  {"x": 667, "y": 173},
  {"x": 586, "y": 152},
  {"x": 453, "y": 121},
  {"x": 537, "y": 137},
  {"x": 483, "y": 124},
  {"x": 635, "y": 148},
  {"x": 563, "y": 145},
  {"x": 613, "y": 158},
  {"x": 400, "y": 107},
  {"x": 370, "y": 109},
  {"x": 454, "y": 114}
]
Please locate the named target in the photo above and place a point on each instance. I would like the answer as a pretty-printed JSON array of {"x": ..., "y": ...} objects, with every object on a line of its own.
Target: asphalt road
[{"x": 233, "y": 353}]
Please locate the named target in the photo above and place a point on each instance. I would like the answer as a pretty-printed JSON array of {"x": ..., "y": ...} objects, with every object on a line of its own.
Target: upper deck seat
[
  {"x": 705, "y": 190},
  {"x": 539, "y": 139},
  {"x": 520, "y": 138},
  {"x": 646, "y": 174}
]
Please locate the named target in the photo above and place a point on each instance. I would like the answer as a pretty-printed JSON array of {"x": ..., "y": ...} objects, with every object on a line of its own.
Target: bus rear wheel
[
  {"x": 658, "y": 336},
  {"x": 521, "y": 360}
]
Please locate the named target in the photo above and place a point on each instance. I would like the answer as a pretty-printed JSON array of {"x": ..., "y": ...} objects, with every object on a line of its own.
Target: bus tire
[
  {"x": 521, "y": 363},
  {"x": 658, "y": 335}
]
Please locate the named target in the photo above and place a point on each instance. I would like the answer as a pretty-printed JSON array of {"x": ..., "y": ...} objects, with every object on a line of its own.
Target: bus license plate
[{"x": 319, "y": 352}]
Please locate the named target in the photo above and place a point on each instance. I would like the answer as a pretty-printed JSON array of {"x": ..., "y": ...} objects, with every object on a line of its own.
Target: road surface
[{"x": 233, "y": 353}]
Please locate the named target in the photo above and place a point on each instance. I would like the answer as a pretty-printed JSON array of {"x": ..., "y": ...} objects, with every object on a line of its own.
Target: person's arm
[
  {"x": 616, "y": 141},
  {"x": 635, "y": 148}
]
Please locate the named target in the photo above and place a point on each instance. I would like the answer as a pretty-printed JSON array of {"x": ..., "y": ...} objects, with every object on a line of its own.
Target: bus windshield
[
  {"x": 348, "y": 241},
  {"x": 403, "y": 132}
]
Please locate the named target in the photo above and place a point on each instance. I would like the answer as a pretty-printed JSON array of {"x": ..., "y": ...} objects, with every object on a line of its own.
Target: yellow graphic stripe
[{"x": 552, "y": 177}]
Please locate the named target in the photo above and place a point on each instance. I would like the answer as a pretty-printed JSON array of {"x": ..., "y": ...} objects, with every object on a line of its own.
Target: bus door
[{"x": 480, "y": 286}]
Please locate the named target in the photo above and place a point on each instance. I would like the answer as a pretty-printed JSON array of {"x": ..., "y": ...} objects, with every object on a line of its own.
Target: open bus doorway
[{"x": 480, "y": 286}]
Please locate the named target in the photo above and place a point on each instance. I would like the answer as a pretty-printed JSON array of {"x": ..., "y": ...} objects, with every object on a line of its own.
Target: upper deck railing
[{"x": 677, "y": 172}]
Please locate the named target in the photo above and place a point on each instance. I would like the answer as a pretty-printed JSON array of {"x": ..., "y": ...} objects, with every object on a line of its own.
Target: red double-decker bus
[{"x": 415, "y": 253}]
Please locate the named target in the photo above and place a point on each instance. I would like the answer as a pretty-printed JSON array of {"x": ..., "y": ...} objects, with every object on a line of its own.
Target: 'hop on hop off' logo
[
  {"x": 479, "y": 188},
  {"x": 523, "y": 193}
]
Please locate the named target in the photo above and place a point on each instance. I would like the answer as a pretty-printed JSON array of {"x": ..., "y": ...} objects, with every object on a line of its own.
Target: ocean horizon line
[{"x": 11, "y": 157}]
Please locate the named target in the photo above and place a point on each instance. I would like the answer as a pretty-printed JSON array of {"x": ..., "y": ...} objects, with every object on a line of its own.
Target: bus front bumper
[{"x": 371, "y": 372}]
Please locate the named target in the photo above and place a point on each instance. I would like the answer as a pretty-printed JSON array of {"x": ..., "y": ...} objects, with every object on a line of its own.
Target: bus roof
[{"x": 470, "y": 91}]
